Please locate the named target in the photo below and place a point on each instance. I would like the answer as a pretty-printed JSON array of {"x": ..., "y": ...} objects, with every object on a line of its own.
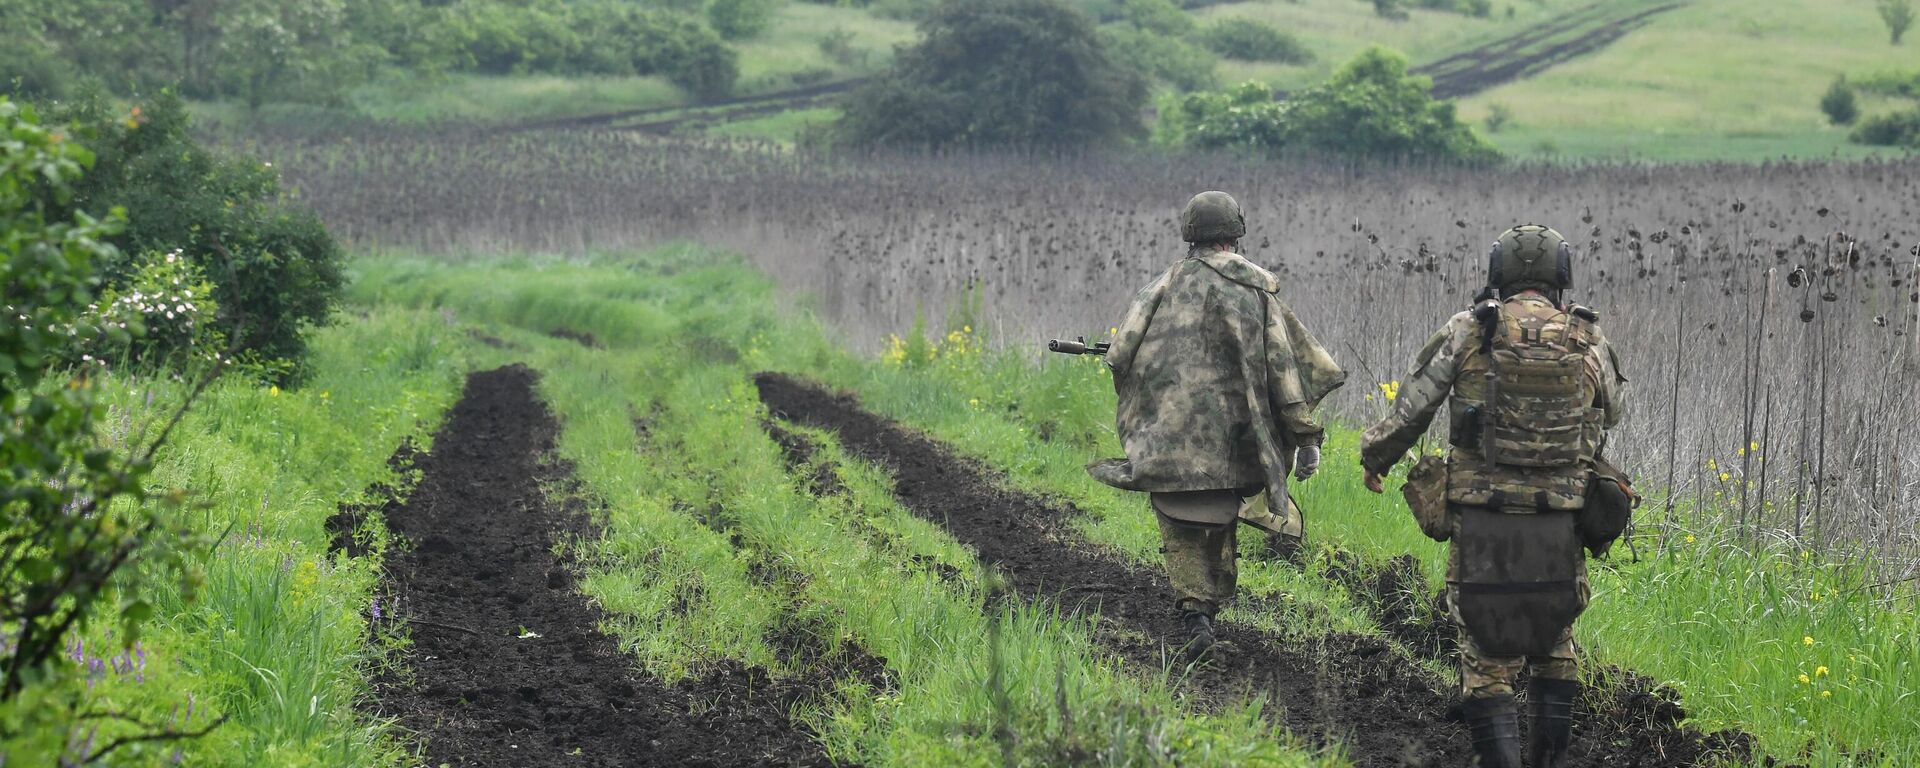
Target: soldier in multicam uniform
[
  {"x": 1534, "y": 387},
  {"x": 1217, "y": 382}
]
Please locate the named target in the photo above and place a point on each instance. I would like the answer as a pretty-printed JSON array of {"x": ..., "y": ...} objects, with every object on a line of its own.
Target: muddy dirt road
[
  {"x": 1347, "y": 689},
  {"x": 507, "y": 666}
]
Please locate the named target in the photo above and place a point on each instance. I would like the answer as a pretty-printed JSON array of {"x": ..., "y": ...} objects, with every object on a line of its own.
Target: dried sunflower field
[{"x": 1766, "y": 315}]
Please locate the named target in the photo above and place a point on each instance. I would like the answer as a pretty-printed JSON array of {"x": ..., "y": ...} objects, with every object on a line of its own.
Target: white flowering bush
[{"x": 170, "y": 299}]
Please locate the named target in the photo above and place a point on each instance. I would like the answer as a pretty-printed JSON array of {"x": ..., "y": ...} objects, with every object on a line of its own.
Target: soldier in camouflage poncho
[
  {"x": 1532, "y": 387},
  {"x": 1217, "y": 382}
]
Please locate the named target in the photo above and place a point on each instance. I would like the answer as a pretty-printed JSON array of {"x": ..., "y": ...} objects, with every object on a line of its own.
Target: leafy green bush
[
  {"x": 275, "y": 271},
  {"x": 999, "y": 72},
  {"x": 1251, "y": 40},
  {"x": 741, "y": 19},
  {"x": 71, "y": 549},
  {"x": 1895, "y": 129},
  {"x": 1840, "y": 103},
  {"x": 1158, "y": 16},
  {"x": 1371, "y": 108},
  {"x": 1891, "y": 83},
  {"x": 1172, "y": 60}
]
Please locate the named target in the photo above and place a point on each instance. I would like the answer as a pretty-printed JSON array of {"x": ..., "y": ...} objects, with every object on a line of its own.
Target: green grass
[
  {"x": 1722, "y": 623},
  {"x": 276, "y": 639},
  {"x": 783, "y": 127},
  {"x": 1716, "y": 79},
  {"x": 682, "y": 336},
  {"x": 1336, "y": 30}
]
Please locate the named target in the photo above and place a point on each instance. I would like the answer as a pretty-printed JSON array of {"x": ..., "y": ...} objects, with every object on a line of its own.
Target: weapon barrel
[{"x": 1067, "y": 347}]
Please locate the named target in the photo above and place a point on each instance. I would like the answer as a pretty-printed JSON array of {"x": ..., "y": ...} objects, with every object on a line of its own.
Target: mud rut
[
  {"x": 1353, "y": 690},
  {"x": 475, "y": 571}
]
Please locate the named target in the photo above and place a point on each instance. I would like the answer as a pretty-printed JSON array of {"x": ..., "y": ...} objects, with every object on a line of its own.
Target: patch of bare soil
[
  {"x": 508, "y": 666},
  {"x": 1353, "y": 690}
]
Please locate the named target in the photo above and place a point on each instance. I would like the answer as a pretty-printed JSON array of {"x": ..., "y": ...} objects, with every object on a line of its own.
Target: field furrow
[{"x": 507, "y": 664}]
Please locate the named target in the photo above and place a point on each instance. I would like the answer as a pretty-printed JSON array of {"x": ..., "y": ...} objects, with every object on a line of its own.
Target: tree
[
  {"x": 1898, "y": 14},
  {"x": 741, "y": 19},
  {"x": 999, "y": 72},
  {"x": 1251, "y": 40},
  {"x": 1840, "y": 103}
]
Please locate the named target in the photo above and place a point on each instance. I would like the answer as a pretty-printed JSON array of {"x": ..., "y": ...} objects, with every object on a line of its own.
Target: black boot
[
  {"x": 1495, "y": 724},
  {"x": 1551, "y": 702},
  {"x": 1199, "y": 626}
]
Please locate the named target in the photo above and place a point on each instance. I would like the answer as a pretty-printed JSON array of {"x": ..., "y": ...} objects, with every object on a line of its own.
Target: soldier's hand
[
  {"x": 1306, "y": 461},
  {"x": 1375, "y": 483}
]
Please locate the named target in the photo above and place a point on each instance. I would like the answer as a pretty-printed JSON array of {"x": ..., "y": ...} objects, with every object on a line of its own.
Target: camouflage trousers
[
  {"x": 1483, "y": 675},
  {"x": 1197, "y": 536}
]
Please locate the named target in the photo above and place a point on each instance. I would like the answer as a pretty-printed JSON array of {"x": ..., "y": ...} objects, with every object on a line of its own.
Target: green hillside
[
  {"x": 1668, "y": 80},
  {"x": 1714, "y": 79}
]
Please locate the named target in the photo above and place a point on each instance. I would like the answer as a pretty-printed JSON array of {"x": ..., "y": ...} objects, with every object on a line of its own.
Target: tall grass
[{"x": 275, "y": 637}]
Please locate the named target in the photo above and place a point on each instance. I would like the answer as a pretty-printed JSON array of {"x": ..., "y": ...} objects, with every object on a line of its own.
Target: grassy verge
[
  {"x": 276, "y": 639},
  {"x": 708, "y": 529}
]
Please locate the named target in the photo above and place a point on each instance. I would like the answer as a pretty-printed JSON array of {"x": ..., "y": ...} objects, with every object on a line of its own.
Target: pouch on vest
[
  {"x": 1426, "y": 494},
  {"x": 1515, "y": 586},
  {"x": 1610, "y": 504}
]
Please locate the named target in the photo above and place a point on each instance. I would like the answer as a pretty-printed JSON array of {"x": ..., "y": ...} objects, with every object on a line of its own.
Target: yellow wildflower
[
  {"x": 273, "y": 391},
  {"x": 1689, "y": 538},
  {"x": 1713, "y": 466},
  {"x": 1820, "y": 671},
  {"x": 1805, "y": 680},
  {"x": 1808, "y": 640},
  {"x": 1725, "y": 477},
  {"x": 1826, "y": 694}
]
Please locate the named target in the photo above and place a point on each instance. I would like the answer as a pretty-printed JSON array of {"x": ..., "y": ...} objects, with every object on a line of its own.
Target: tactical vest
[
  {"x": 1525, "y": 433},
  {"x": 1523, "y": 422}
]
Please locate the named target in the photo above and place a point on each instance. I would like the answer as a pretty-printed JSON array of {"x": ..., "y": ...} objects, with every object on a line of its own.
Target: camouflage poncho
[{"x": 1217, "y": 381}]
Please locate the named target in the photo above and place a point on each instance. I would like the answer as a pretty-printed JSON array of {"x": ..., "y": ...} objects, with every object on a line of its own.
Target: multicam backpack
[{"x": 1524, "y": 423}]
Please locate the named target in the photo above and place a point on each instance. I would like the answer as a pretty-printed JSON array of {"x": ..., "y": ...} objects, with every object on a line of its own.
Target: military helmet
[
  {"x": 1530, "y": 256},
  {"x": 1212, "y": 217}
]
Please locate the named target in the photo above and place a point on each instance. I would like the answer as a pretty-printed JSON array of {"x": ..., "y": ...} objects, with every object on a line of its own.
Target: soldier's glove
[{"x": 1306, "y": 461}]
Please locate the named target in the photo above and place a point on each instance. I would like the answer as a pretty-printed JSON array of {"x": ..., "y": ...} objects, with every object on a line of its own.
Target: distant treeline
[{"x": 313, "y": 50}]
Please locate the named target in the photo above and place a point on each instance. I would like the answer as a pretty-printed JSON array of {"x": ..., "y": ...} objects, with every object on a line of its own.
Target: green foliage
[
  {"x": 1171, "y": 60},
  {"x": 1161, "y": 17},
  {"x": 314, "y": 50},
  {"x": 1898, "y": 15},
  {"x": 276, "y": 271},
  {"x": 71, "y": 519},
  {"x": 1476, "y": 8},
  {"x": 1391, "y": 9},
  {"x": 1498, "y": 117},
  {"x": 1897, "y": 84},
  {"x": 741, "y": 19},
  {"x": 999, "y": 72},
  {"x": 1252, "y": 40},
  {"x": 604, "y": 37},
  {"x": 1840, "y": 102},
  {"x": 1894, "y": 129},
  {"x": 1371, "y": 108}
]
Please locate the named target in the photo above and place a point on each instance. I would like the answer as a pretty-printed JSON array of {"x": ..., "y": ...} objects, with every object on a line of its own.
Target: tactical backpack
[{"x": 1526, "y": 433}]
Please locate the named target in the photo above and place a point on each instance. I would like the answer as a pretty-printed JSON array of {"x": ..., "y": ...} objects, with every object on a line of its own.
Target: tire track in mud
[
  {"x": 1496, "y": 63},
  {"x": 507, "y": 664},
  {"x": 1352, "y": 690}
]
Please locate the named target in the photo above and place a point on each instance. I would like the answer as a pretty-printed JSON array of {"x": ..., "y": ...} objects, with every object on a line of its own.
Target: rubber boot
[
  {"x": 1199, "y": 626},
  {"x": 1551, "y": 705},
  {"x": 1495, "y": 724}
]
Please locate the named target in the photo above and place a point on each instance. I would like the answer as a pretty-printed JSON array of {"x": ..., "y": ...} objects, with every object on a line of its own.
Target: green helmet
[
  {"x": 1212, "y": 217},
  {"x": 1530, "y": 256}
]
